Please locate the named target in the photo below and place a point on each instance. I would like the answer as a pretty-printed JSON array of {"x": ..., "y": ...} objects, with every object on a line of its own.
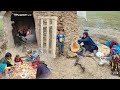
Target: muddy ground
[{"x": 63, "y": 68}]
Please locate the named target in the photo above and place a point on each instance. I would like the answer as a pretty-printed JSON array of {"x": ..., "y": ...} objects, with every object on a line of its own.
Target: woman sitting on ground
[
  {"x": 114, "y": 46},
  {"x": 7, "y": 60},
  {"x": 7, "y": 63},
  {"x": 89, "y": 44},
  {"x": 42, "y": 70}
]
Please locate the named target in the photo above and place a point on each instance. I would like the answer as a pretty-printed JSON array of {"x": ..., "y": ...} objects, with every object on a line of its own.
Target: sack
[{"x": 99, "y": 54}]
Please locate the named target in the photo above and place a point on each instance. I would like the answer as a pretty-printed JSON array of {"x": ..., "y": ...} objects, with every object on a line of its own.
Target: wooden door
[{"x": 47, "y": 34}]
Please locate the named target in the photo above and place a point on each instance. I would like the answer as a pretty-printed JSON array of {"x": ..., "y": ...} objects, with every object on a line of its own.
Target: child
[
  {"x": 28, "y": 53},
  {"x": 34, "y": 55},
  {"x": 35, "y": 58},
  {"x": 18, "y": 59},
  {"x": 61, "y": 39}
]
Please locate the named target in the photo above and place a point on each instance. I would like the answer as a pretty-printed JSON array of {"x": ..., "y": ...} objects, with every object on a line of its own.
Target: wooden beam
[
  {"x": 54, "y": 33},
  {"x": 38, "y": 32},
  {"x": 49, "y": 25},
  {"x": 47, "y": 17},
  {"x": 47, "y": 41},
  {"x": 41, "y": 33}
]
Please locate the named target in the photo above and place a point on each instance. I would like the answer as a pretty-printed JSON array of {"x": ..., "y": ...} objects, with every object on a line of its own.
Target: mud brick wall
[
  {"x": 67, "y": 18},
  {"x": 8, "y": 30}
]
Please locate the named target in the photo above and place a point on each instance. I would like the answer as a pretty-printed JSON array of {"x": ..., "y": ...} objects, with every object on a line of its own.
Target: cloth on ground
[
  {"x": 42, "y": 71},
  {"x": 2, "y": 67}
]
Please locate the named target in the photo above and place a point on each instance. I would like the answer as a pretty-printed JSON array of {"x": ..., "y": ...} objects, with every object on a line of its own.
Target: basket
[{"x": 74, "y": 46}]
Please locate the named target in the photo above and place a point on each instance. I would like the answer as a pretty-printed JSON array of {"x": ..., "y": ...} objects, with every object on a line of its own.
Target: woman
[
  {"x": 19, "y": 37},
  {"x": 89, "y": 45},
  {"x": 114, "y": 46},
  {"x": 7, "y": 64},
  {"x": 24, "y": 34},
  {"x": 42, "y": 70},
  {"x": 7, "y": 59}
]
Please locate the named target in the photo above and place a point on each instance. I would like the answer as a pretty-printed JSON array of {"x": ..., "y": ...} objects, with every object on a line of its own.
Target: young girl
[{"x": 18, "y": 59}]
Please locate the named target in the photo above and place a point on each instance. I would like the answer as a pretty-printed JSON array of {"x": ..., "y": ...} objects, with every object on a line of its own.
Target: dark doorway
[{"x": 24, "y": 21}]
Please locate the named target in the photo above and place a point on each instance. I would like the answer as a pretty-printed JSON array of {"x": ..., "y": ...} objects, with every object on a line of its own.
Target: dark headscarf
[
  {"x": 8, "y": 54},
  {"x": 86, "y": 33}
]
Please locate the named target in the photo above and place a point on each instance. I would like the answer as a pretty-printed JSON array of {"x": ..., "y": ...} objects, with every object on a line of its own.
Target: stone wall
[{"x": 67, "y": 18}]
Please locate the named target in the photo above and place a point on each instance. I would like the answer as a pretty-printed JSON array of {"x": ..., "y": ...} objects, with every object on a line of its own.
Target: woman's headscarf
[
  {"x": 113, "y": 42},
  {"x": 8, "y": 54},
  {"x": 86, "y": 33}
]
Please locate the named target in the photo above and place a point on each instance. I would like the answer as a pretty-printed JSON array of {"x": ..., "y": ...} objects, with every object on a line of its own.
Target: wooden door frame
[{"x": 54, "y": 32}]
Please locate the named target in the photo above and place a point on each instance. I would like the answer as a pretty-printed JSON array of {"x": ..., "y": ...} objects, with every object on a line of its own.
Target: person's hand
[
  {"x": 80, "y": 36},
  {"x": 81, "y": 44},
  {"x": 12, "y": 67},
  {"x": 6, "y": 68}
]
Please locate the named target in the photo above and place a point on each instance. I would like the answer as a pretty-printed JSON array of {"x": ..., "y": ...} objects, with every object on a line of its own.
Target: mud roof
[{"x": 22, "y": 12}]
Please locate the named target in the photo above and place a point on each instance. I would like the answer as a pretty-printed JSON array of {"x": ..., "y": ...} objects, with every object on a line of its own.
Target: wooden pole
[
  {"x": 41, "y": 33},
  {"x": 54, "y": 36},
  {"x": 47, "y": 41}
]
